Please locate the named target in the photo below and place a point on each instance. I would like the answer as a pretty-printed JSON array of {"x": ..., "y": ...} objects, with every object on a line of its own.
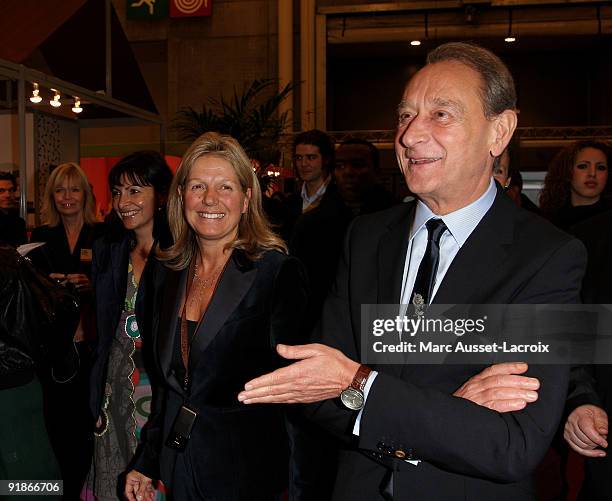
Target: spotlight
[
  {"x": 416, "y": 42},
  {"x": 35, "y": 97},
  {"x": 55, "y": 102},
  {"x": 77, "y": 105},
  {"x": 510, "y": 38}
]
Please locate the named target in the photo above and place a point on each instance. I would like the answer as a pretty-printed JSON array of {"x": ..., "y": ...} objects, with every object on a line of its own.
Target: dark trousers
[
  {"x": 70, "y": 426},
  {"x": 25, "y": 452}
]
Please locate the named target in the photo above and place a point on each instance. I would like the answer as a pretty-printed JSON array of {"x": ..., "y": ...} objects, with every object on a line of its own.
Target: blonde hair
[
  {"x": 254, "y": 233},
  {"x": 69, "y": 170}
]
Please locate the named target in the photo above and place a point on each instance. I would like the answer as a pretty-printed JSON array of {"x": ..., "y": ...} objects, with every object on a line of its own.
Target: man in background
[
  {"x": 313, "y": 157},
  {"x": 356, "y": 173},
  {"x": 12, "y": 227}
]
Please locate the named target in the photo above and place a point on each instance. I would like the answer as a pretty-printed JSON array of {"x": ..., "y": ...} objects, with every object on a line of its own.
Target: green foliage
[{"x": 250, "y": 117}]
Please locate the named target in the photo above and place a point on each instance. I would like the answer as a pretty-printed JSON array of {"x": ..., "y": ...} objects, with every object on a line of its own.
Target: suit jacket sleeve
[
  {"x": 582, "y": 388},
  {"x": 463, "y": 437},
  {"x": 98, "y": 368},
  {"x": 584, "y": 379},
  {"x": 290, "y": 297},
  {"x": 335, "y": 329},
  {"x": 146, "y": 458}
]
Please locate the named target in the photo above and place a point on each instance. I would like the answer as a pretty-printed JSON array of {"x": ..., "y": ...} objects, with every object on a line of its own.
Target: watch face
[{"x": 352, "y": 398}]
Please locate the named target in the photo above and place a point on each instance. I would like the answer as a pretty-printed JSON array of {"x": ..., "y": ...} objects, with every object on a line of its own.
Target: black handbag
[{"x": 38, "y": 315}]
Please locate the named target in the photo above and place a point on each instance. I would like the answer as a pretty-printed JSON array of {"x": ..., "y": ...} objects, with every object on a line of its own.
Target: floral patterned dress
[{"x": 125, "y": 407}]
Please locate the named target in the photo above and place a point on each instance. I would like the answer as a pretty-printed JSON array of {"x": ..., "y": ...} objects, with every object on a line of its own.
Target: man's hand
[
  {"x": 321, "y": 373},
  {"x": 586, "y": 429},
  {"x": 138, "y": 487},
  {"x": 500, "y": 388}
]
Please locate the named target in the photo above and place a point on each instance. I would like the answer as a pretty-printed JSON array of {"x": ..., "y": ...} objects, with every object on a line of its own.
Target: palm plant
[{"x": 250, "y": 117}]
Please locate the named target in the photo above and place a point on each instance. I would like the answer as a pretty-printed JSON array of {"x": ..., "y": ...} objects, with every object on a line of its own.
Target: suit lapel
[
  {"x": 119, "y": 258},
  {"x": 60, "y": 239},
  {"x": 233, "y": 285},
  {"x": 392, "y": 248},
  {"x": 174, "y": 288},
  {"x": 481, "y": 254}
]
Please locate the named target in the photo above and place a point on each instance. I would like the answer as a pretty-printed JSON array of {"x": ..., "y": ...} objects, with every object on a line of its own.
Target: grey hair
[{"x": 497, "y": 92}]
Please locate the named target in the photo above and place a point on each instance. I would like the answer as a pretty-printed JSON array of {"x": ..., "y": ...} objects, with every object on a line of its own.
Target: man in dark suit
[
  {"x": 590, "y": 399},
  {"x": 416, "y": 430}
]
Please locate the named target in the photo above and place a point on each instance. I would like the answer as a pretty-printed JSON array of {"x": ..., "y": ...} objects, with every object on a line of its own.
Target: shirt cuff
[{"x": 366, "y": 390}]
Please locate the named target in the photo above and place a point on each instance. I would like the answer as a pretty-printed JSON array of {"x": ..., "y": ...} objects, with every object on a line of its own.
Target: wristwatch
[{"x": 352, "y": 397}]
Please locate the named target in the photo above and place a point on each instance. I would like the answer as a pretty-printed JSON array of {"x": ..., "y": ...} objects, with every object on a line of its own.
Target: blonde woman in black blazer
[{"x": 228, "y": 294}]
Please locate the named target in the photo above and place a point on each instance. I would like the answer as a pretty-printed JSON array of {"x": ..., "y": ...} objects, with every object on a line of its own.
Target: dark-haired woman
[
  {"x": 576, "y": 185},
  {"x": 120, "y": 386}
]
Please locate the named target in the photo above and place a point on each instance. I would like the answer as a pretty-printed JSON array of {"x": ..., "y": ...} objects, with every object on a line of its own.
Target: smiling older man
[{"x": 461, "y": 242}]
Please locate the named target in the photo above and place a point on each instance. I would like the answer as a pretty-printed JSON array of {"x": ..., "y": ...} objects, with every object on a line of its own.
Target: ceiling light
[
  {"x": 35, "y": 97},
  {"x": 510, "y": 37},
  {"x": 416, "y": 42},
  {"x": 55, "y": 102},
  {"x": 77, "y": 105}
]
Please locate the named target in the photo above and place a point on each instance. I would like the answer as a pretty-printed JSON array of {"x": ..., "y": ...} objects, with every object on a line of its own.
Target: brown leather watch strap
[{"x": 361, "y": 377}]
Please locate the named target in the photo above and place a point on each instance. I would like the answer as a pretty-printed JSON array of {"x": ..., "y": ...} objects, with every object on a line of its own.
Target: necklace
[
  {"x": 201, "y": 284},
  {"x": 205, "y": 282}
]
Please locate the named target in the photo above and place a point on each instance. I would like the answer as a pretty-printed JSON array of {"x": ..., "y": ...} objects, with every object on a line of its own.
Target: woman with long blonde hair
[
  {"x": 227, "y": 295},
  {"x": 68, "y": 234}
]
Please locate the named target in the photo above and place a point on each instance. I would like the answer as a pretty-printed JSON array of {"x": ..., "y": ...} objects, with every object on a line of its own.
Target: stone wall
[{"x": 186, "y": 61}]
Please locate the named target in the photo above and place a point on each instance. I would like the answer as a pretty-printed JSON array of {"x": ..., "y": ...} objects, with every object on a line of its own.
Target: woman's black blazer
[
  {"x": 55, "y": 255},
  {"x": 109, "y": 278},
  {"x": 236, "y": 451}
]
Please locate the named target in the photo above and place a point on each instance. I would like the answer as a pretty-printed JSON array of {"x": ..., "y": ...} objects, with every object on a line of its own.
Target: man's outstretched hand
[{"x": 320, "y": 373}]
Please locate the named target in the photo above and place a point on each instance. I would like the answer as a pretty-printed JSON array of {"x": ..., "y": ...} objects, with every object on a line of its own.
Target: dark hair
[
  {"x": 516, "y": 179},
  {"x": 374, "y": 154},
  {"x": 8, "y": 176},
  {"x": 318, "y": 138},
  {"x": 497, "y": 92},
  {"x": 146, "y": 168},
  {"x": 557, "y": 183}
]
